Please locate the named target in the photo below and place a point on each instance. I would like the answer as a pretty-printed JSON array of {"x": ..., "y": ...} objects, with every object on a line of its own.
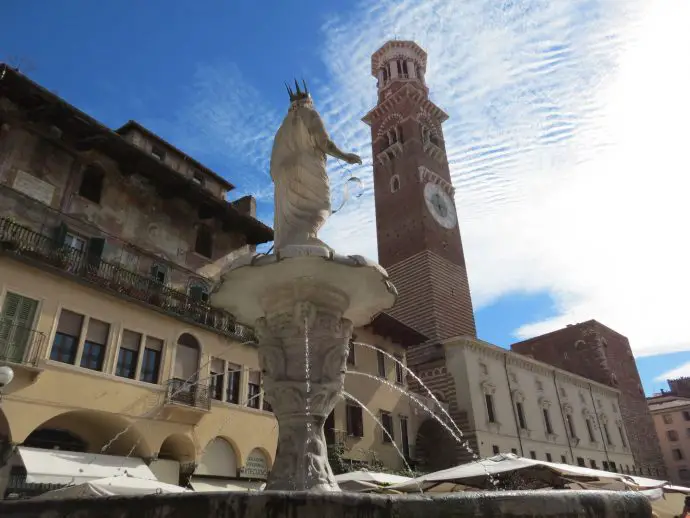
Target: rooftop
[{"x": 82, "y": 133}]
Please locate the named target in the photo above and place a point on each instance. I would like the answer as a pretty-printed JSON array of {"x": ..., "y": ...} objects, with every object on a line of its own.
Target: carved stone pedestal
[{"x": 303, "y": 302}]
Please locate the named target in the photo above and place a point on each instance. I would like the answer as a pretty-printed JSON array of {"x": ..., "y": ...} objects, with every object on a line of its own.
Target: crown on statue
[{"x": 298, "y": 95}]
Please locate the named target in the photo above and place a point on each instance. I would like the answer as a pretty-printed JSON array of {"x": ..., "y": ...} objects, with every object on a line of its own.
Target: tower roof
[{"x": 391, "y": 48}]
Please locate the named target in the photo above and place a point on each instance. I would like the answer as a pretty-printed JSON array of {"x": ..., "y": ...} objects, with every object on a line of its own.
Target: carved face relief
[{"x": 440, "y": 205}]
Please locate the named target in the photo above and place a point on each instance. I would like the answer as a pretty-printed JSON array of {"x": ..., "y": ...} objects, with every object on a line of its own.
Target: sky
[{"x": 567, "y": 134}]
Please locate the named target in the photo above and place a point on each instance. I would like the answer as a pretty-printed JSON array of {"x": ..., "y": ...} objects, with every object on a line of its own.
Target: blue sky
[{"x": 563, "y": 153}]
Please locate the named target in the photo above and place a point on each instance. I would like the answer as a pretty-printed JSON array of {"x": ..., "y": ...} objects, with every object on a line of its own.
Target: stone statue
[{"x": 298, "y": 168}]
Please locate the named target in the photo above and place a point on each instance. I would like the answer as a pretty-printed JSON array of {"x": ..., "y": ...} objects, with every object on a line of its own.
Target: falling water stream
[
  {"x": 307, "y": 399},
  {"x": 386, "y": 432}
]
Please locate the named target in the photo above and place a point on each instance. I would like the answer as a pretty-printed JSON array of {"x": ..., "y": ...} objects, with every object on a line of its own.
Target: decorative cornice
[{"x": 405, "y": 92}]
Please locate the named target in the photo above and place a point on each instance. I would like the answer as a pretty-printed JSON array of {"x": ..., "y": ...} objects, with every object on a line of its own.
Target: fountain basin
[
  {"x": 251, "y": 288},
  {"x": 277, "y": 504}
]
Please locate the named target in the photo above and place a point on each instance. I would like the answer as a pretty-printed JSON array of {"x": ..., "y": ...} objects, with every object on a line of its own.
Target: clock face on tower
[{"x": 440, "y": 205}]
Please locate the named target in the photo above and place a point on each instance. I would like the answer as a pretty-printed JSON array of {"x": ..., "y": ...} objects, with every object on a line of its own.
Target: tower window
[
  {"x": 204, "y": 241},
  {"x": 198, "y": 178},
  {"x": 404, "y": 69},
  {"x": 395, "y": 184},
  {"x": 400, "y": 69},
  {"x": 91, "y": 185}
]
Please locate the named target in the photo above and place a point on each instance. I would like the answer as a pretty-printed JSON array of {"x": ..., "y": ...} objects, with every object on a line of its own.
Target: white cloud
[
  {"x": 682, "y": 371},
  {"x": 566, "y": 141}
]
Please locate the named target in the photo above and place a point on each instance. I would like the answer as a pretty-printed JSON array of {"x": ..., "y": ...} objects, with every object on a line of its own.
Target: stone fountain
[{"x": 304, "y": 300}]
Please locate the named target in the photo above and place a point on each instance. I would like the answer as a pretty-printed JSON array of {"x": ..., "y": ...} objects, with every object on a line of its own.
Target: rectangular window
[
  {"x": 351, "y": 353},
  {"x": 672, "y": 435},
  {"x": 521, "y": 415},
  {"x": 66, "y": 339},
  {"x": 381, "y": 362},
  {"x": 581, "y": 462},
  {"x": 387, "y": 423},
  {"x": 668, "y": 418},
  {"x": 217, "y": 378},
  {"x": 605, "y": 428},
  {"x": 622, "y": 435},
  {"x": 128, "y": 354},
  {"x": 533, "y": 454},
  {"x": 16, "y": 326},
  {"x": 355, "y": 421},
  {"x": 159, "y": 272},
  {"x": 151, "y": 362},
  {"x": 234, "y": 375},
  {"x": 198, "y": 178},
  {"x": 686, "y": 415},
  {"x": 204, "y": 241},
  {"x": 94, "y": 346},
  {"x": 404, "y": 436},
  {"x": 571, "y": 426},
  {"x": 683, "y": 474},
  {"x": 593, "y": 464},
  {"x": 490, "y": 411},
  {"x": 564, "y": 459},
  {"x": 590, "y": 430},
  {"x": 399, "y": 376},
  {"x": 254, "y": 389},
  {"x": 548, "y": 457},
  {"x": 513, "y": 451},
  {"x": 605, "y": 465},
  {"x": 547, "y": 421},
  {"x": 495, "y": 449},
  {"x": 75, "y": 242}
]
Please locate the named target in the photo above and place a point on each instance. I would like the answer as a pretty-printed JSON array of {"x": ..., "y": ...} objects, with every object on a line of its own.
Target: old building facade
[
  {"x": 671, "y": 413},
  {"x": 109, "y": 244},
  {"x": 601, "y": 354},
  {"x": 520, "y": 405}
]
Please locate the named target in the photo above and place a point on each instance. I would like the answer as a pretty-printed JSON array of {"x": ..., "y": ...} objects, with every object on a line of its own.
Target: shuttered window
[
  {"x": 128, "y": 354},
  {"x": 67, "y": 337},
  {"x": 94, "y": 345},
  {"x": 151, "y": 362},
  {"x": 16, "y": 323}
]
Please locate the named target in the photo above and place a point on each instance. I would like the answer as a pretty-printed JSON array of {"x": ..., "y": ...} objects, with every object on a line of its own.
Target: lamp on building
[{"x": 6, "y": 377}]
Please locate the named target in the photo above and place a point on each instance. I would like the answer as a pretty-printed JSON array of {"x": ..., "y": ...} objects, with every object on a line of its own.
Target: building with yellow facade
[{"x": 109, "y": 241}]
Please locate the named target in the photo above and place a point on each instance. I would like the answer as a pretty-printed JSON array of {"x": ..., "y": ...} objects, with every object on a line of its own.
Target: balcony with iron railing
[
  {"x": 20, "y": 344},
  {"x": 192, "y": 394},
  {"x": 25, "y": 243}
]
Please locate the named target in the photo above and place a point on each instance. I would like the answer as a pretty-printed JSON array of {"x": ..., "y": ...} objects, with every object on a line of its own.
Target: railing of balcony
[
  {"x": 24, "y": 242},
  {"x": 193, "y": 394},
  {"x": 20, "y": 344}
]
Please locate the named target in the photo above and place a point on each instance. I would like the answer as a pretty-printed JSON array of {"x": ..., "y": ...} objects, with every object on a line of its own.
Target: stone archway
[
  {"x": 91, "y": 432},
  {"x": 435, "y": 447},
  {"x": 178, "y": 447},
  {"x": 219, "y": 459}
]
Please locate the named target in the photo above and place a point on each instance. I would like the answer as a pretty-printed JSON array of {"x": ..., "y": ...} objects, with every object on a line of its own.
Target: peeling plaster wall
[{"x": 130, "y": 211}]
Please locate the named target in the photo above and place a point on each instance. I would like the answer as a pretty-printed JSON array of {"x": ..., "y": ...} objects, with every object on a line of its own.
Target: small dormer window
[
  {"x": 158, "y": 153},
  {"x": 198, "y": 178}
]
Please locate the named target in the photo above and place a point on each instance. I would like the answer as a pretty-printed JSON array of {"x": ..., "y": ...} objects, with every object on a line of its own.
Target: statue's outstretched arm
[{"x": 324, "y": 142}]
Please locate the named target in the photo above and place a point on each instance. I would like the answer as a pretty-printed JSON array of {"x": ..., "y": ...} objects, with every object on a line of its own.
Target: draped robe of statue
[{"x": 298, "y": 169}]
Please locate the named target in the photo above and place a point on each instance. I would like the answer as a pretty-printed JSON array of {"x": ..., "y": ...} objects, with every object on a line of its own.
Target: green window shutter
[
  {"x": 94, "y": 250},
  {"x": 16, "y": 321},
  {"x": 60, "y": 233}
]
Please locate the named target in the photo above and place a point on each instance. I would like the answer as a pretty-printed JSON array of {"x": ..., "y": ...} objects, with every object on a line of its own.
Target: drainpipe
[
  {"x": 560, "y": 411},
  {"x": 601, "y": 430},
  {"x": 512, "y": 404}
]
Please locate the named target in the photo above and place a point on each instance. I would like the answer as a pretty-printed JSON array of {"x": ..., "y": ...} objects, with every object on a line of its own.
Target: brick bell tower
[
  {"x": 416, "y": 222},
  {"x": 418, "y": 237}
]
